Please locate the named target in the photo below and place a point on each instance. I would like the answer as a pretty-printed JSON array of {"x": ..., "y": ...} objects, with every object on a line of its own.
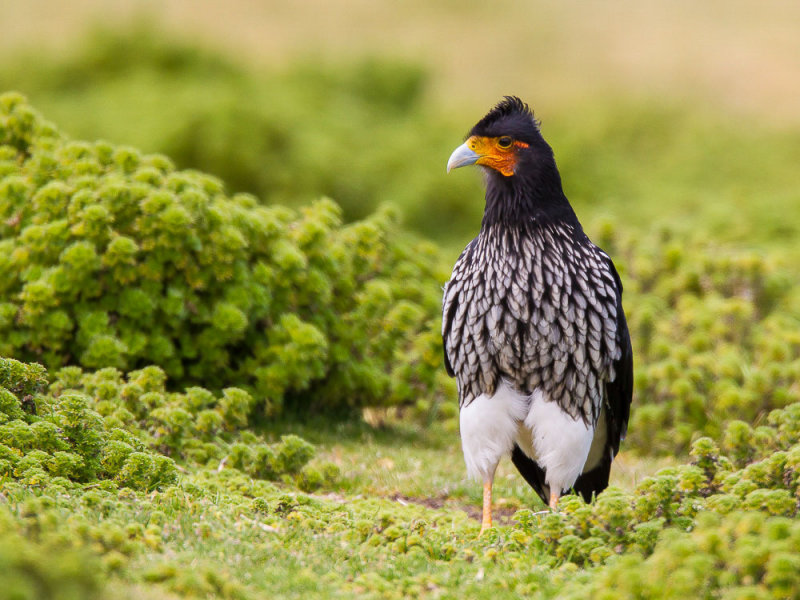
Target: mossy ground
[{"x": 298, "y": 438}]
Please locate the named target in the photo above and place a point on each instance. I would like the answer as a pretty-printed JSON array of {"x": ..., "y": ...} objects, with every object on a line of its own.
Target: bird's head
[
  {"x": 522, "y": 178},
  {"x": 504, "y": 140}
]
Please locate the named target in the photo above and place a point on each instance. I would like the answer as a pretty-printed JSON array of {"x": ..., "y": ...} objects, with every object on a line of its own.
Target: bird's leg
[
  {"x": 486, "y": 522},
  {"x": 554, "y": 496}
]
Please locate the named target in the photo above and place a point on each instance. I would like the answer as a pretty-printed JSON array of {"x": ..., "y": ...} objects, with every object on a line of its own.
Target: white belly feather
[
  {"x": 559, "y": 443},
  {"x": 488, "y": 429}
]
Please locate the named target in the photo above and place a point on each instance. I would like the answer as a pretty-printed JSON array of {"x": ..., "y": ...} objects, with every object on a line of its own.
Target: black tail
[
  {"x": 593, "y": 482},
  {"x": 587, "y": 485},
  {"x": 532, "y": 472}
]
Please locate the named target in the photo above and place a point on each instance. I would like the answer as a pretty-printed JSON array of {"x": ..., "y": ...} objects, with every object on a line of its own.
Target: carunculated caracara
[{"x": 533, "y": 326}]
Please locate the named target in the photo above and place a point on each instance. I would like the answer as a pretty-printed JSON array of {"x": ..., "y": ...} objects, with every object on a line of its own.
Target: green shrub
[
  {"x": 130, "y": 430},
  {"x": 111, "y": 258},
  {"x": 704, "y": 496},
  {"x": 29, "y": 570},
  {"x": 715, "y": 337}
]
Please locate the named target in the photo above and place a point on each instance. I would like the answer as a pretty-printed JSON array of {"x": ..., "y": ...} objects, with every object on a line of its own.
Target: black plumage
[{"x": 532, "y": 302}]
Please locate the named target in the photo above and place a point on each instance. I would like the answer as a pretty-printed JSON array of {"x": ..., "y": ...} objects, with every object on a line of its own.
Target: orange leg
[
  {"x": 486, "y": 522},
  {"x": 554, "y": 501}
]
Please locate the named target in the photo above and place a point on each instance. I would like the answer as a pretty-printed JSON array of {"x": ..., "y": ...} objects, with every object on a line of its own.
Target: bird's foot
[{"x": 554, "y": 501}]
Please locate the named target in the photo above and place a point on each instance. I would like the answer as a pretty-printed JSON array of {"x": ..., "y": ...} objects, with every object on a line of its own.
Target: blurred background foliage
[
  {"x": 366, "y": 131},
  {"x": 358, "y": 132}
]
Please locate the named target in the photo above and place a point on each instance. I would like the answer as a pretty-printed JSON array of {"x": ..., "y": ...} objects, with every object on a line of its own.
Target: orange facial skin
[{"x": 496, "y": 152}]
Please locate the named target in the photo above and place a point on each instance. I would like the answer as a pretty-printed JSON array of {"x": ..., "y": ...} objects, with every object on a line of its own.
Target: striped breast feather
[
  {"x": 468, "y": 345},
  {"x": 546, "y": 317},
  {"x": 577, "y": 324}
]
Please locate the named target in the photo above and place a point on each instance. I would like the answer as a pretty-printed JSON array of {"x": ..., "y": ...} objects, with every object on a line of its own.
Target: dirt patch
[{"x": 502, "y": 514}]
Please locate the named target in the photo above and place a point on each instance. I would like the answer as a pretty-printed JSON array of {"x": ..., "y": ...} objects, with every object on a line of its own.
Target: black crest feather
[
  {"x": 511, "y": 116},
  {"x": 509, "y": 105}
]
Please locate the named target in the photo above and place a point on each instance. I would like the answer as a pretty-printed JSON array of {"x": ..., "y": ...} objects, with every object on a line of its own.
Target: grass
[
  {"x": 423, "y": 465},
  {"x": 216, "y": 545}
]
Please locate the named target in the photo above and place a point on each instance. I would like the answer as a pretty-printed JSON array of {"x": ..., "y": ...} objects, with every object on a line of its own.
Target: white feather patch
[
  {"x": 488, "y": 428},
  {"x": 560, "y": 443}
]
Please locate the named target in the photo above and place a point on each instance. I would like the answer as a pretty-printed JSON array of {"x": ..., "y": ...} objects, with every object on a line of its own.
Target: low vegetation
[{"x": 149, "y": 488}]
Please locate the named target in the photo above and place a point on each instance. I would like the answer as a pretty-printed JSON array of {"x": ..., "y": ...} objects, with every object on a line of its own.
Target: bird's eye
[{"x": 504, "y": 142}]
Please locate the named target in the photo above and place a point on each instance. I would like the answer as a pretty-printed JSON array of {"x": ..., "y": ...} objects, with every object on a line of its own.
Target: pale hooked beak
[{"x": 461, "y": 157}]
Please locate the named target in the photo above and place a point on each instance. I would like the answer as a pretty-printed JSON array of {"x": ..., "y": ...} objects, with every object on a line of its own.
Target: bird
[{"x": 533, "y": 326}]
